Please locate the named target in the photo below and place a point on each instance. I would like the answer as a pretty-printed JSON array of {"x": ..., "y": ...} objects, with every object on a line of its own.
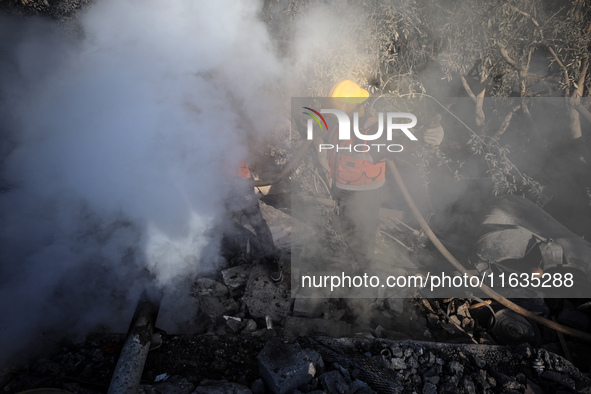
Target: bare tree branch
[
  {"x": 564, "y": 69},
  {"x": 508, "y": 59},
  {"x": 581, "y": 81},
  {"x": 521, "y": 70},
  {"x": 507, "y": 121},
  {"x": 583, "y": 111},
  {"x": 531, "y": 18},
  {"x": 550, "y": 48},
  {"x": 468, "y": 89}
]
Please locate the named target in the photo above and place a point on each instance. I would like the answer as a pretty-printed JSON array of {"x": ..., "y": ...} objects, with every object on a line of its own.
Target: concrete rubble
[
  {"x": 235, "y": 279},
  {"x": 250, "y": 336},
  {"x": 318, "y": 364},
  {"x": 264, "y": 298},
  {"x": 285, "y": 367}
]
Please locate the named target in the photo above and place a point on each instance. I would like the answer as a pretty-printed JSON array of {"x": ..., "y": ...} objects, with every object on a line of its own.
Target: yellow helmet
[{"x": 347, "y": 94}]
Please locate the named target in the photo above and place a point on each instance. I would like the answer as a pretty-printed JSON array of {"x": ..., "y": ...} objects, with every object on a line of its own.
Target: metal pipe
[
  {"x": 457, "y": 265},
  {"x": 130, "y": 366}
]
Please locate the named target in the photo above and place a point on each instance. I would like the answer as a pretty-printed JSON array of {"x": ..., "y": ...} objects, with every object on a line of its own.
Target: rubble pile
[
  {"x": 316, "y": 364},
  {"x": 251, "y": 336}
]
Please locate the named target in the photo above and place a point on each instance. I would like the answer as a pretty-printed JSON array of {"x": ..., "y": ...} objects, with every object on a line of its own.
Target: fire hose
[
  {"x": 457, "y": 265},
  {"x": 440, "y": 247}
]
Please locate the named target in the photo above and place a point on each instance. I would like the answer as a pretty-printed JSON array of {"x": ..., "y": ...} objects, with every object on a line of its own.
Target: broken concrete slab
[
  {"x": 458, "y": 368},
  {"x": 216, "y": 306},
  {"x": 279, "y": 223},
  {"x": 285, "y": 367},
  {"x": 235, "y": 279},
  {"x": 237, "y": 324},
  {"x": 206, "y": 286},
  {"x": 265, "y": 298},
  {"x": 234, "y": 323}
]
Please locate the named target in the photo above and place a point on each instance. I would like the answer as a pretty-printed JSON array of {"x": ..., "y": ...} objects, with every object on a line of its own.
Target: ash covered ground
[
  {"x": 109, "y": 130},
  {"x": 249, "y": 335}
]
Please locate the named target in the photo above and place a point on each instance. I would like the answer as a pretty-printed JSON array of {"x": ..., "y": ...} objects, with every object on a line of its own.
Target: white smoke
[
  {"x": 330, "y": 43},
  {"x": 119, "y": 139}
]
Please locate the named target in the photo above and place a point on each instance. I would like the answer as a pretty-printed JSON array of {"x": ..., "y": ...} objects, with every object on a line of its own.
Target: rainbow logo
[{"x": 315, "y": 117}]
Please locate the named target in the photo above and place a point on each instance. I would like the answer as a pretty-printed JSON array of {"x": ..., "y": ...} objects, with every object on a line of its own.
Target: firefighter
[
  {"x": 245, "y": 201},
  {"x": 357, "y": 178}
]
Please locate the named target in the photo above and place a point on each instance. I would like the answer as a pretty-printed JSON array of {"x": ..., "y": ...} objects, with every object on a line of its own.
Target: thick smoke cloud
[
  {"x": 329, "y": 44},
  {"x": 117, "y": 136}
]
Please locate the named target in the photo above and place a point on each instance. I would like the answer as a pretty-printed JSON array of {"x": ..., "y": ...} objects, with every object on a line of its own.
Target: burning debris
[
  {"x": 245, "y": 364},
  {"x": 251, "y": 336},
  {"x": 324, "y": 273}
]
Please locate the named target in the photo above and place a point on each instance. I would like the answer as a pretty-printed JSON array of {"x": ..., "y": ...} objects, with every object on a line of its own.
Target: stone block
[
  {"x": 206, "y": 286},
  {"x": 235, "y": 279},
  {"x": 285, "y": 367},
  {"x": 265, "y": 298}
]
